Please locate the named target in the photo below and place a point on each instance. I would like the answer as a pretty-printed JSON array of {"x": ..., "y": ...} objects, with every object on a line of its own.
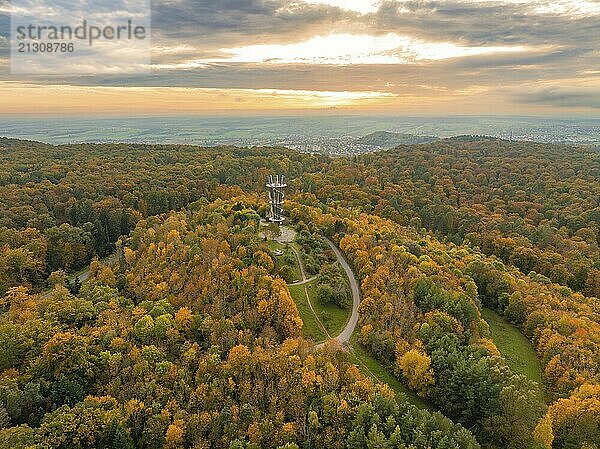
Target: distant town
[{"x": 329, "y": 135}]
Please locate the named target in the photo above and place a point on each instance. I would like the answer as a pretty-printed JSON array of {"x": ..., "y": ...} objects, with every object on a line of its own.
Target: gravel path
[
  {"x": 344, "y": 337},
  {"x": 84, "y": 275},
  {"x": 305, "y": 281}
]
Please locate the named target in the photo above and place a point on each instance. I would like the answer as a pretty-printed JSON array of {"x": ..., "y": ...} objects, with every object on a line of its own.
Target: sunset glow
[
  {"x": 426, "y": 57},
  {"x": 345, "y": 49}
]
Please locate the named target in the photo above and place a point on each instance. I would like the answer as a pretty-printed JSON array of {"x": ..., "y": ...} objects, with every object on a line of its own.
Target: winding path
[
  {"x": 344, "y": 337},
  {"x": 84, "y": 275},
  {"x": 304, "y": 281}
]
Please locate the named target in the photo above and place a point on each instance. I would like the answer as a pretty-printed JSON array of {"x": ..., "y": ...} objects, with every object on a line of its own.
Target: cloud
[
  {"x": 360, "y": 6},
  {"x": 561, "y": 97},
  {"x": 218, "y": 23},
  {"x": 485, "y": 22},
  {"x": 66, "y": 99},
  {"x": 353, "y": 49},
  {"x": 517, "y": 51}
]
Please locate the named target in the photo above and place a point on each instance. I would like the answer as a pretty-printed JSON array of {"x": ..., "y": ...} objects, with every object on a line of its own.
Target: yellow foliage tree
[
  {"x": 238, "y": 356},
  {"x": 576, "y": 419},
  {"x": 174, "y": 436},
  {"x": 415, "y": 366},
  {"x": 543, "y": 434},
  {"x": 183, "y": 318}
]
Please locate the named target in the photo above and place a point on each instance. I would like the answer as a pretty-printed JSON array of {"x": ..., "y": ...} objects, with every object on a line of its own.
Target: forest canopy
[{"x": 189, "y": 336}]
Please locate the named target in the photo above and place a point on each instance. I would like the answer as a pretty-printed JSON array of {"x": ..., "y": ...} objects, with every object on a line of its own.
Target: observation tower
[{"x": 276, "y": 185}]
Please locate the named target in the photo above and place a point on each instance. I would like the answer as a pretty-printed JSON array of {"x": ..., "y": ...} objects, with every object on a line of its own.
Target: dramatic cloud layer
[{"x": 485, "y": 56}]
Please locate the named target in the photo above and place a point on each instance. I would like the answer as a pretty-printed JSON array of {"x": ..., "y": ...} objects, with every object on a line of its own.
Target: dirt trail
[{"x": 304, "y": 282}]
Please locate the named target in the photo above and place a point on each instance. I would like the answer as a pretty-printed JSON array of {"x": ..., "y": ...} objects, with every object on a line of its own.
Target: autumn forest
[{"x": 145, "y": 303}]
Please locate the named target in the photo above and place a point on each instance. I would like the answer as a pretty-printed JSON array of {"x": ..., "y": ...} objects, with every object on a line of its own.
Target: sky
[{"x": 414, "y": 57}]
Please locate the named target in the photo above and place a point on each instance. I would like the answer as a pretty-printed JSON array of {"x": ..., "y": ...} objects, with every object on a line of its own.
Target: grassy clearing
[
  {"x": 333, "y": 317},
  {"x": 336, "y": 316},
  {"x": 311, "y": 328},
  {"x": 514, "y": 346},
  {"x": 288, "y": 255},
  {"x": 370, "y": 367},
  {"x": 273, "y": 245}
]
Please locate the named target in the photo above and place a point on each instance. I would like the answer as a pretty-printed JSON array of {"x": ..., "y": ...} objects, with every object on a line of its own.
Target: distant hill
[
  {"x": 385, "y": 139},
  {"x": 473, "y": 138}
]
